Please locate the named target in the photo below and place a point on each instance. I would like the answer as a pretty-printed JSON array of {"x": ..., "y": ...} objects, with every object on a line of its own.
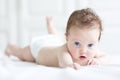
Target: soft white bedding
[{"x": 13, "y": 69}]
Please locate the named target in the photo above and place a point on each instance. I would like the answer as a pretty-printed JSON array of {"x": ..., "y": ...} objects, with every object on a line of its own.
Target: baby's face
[{"x": 82, "y": 44}]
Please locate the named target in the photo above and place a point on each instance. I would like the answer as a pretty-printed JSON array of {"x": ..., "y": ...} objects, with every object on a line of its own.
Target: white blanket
[{"x": 13, "y": 69}]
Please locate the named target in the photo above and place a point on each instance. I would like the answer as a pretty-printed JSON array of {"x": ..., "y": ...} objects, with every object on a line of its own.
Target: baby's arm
[
  {"x": 100, "y": 58},
  {"x": 65, "y": 60}
]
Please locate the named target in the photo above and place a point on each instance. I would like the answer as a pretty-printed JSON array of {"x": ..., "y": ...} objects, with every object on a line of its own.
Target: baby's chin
[{"x": 82, "y": 62}]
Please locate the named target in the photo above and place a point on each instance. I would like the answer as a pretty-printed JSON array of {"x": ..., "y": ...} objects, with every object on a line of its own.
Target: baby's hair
[{"x": 84, "y": 18}]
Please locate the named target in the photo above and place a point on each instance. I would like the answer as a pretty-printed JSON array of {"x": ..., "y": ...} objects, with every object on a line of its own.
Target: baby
[{"x": 83, "y": 33}]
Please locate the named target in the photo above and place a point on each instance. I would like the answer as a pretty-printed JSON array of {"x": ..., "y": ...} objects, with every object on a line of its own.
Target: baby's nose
[{"x": 83, "y": 50}]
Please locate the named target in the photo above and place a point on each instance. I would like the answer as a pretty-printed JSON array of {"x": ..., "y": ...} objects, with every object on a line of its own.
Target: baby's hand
[
  {"x": 76, "y": 66},
  {"x": 94, "y": 61}
]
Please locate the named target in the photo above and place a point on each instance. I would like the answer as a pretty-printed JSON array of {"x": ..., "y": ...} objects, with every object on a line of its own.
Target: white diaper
[{"x": 45, "y": 41}]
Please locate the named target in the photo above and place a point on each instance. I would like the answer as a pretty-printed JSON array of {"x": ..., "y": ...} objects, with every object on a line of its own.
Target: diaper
[{"x": 45, "y": 41}]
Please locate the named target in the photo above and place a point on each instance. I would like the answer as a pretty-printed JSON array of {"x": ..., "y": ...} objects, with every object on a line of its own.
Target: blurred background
[{"x": 20, "y": 20}]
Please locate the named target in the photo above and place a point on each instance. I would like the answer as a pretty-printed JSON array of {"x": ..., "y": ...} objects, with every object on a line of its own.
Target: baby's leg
[
  {"x": 50, "y": 27},
  {"x": 21, "y": 53}
]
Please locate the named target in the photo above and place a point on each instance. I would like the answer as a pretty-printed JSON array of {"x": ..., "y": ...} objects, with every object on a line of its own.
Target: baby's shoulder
[{"x": 63, "y": 48}]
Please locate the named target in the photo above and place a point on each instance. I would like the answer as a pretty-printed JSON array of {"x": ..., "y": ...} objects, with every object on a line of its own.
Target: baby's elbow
[{"x": 64, "y": 65}]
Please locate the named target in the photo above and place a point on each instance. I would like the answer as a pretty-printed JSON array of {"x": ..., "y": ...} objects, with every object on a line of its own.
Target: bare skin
[
  {"x": 67, "y": 55},
  {"x": 25, "y": 53},
  {"x": 22, "y": 53},
  {"x": 50, "y": 28},
  {"x": 56, "y": 59},
  {"x": 59, "y": 57}
]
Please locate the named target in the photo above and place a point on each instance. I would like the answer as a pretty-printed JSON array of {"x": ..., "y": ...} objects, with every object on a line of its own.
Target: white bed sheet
[{"x": 13, "y": 69}]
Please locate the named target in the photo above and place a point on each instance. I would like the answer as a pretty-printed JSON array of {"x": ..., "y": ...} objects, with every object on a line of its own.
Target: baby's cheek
[
  {"x": 91, "y": 54},
  {"x": 73, "y": 52}
]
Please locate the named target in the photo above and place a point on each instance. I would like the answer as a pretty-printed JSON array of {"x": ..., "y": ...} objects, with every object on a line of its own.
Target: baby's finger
[
  {"x": 76, "y": 66},
  {"x": 89, "y": 62}
]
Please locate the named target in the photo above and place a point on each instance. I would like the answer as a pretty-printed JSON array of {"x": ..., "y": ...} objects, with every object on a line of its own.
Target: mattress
[{"x": 14, "y": 69}]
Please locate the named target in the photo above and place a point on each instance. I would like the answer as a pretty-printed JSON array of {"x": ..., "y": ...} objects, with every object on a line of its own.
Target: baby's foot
[
  {"x": 76, "y": 66},
  {"x": 50, "y": 27},
  {"x": 10, "y": 49},
  {"x": 49, "y": 20}
]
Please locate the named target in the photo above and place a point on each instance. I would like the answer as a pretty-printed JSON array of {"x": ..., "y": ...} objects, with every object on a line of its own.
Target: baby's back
[{"x": 48, "y": 56}]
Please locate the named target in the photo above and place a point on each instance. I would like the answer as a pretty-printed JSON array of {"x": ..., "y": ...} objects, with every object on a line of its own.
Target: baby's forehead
[
  {"x": 74, "y": 29},
  {"x": 79, "y": 32},
  {"x": 83, "y": 39},
  {"x": 84, "y": 34}
]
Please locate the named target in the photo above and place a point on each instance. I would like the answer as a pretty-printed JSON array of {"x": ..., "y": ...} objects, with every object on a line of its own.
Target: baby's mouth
[{"x": 82, "y": 57}]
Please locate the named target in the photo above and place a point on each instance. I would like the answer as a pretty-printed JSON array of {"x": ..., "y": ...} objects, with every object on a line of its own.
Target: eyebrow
[{"x": 75, "y": 38}]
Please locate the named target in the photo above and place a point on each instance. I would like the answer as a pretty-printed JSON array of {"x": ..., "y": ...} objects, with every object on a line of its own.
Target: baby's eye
[
  {"x": 90, "y": 45},
  {"x": 77, "y": 44}
]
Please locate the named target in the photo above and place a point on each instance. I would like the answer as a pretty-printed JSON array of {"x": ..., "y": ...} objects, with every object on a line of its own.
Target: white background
[{"x": 20, "y": 20}]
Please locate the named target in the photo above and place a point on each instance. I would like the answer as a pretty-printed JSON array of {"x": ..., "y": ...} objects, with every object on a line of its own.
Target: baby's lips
[{"x": 82, "y": 57}]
